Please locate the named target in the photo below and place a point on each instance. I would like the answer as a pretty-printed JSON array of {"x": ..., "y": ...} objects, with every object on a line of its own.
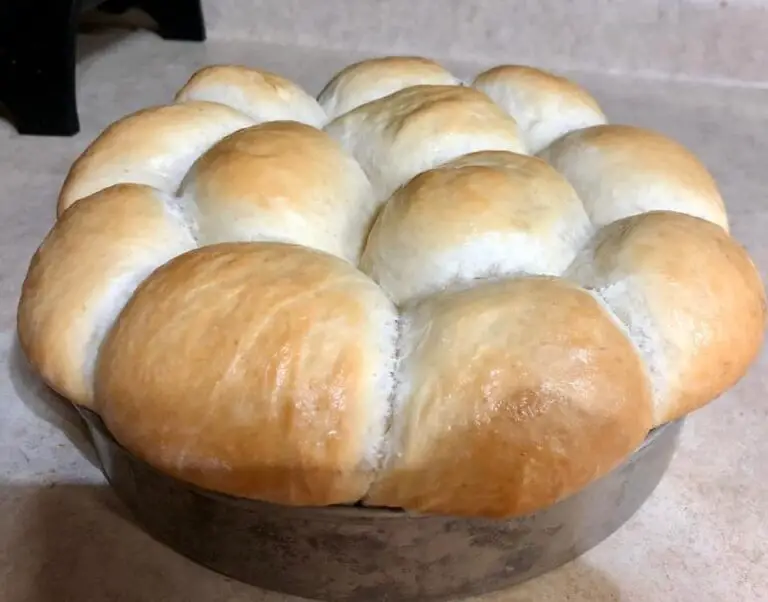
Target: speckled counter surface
[{"x": 702, "y": 537}]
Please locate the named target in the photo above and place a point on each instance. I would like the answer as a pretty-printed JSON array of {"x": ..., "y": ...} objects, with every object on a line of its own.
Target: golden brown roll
[
  {"x": 418, "y": 128},
  {"x": 621, "y": 170},
  {"x": 262, "y": 95},
  {"x": 692, "y": 299},
  {"x": 257, "y": 369},
  {"x": 282, "y": 181},
  {"x": 546, "y": 106},
  {"x": 376, "y": 78},
  {"x": 486, "y": 214},
  {"x": 512, "y": 396},
  {"x": 85, "y": 271},
  {"x": 154, "y": 146}
]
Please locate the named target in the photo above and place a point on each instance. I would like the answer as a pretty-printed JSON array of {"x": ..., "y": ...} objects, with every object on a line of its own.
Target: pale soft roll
[
  {"x": 83, "y": 274},
  {"x": 282, "y": 181},
  {"x": 490, "y": 213},
  {"x": 262, "y": 95},
  {"x": 415, "y": 129},
  {"x": 512, "y": 396},
  {"x": 372, "y": 79},
  {"x": 545, "y": 106},
  {"x": 621, "y": 170},
  {"x": 690, "y": 296},
  {"x": 154, "y": 146},
  {"x": 261, "y": 370}
]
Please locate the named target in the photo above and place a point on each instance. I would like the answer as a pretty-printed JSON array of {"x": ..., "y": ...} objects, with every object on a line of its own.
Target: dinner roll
[
  {"x": 261, "y": 370},
  {"x": 545, "y": 106},
  {"x": 690, "y": 296},
  {"x": 375, "y": 78},
  {"x": 283, "y": 181},
  {"x": 415, "y": 129},
  {"x": 490, "y": 213},
  {"x": 261, "y": 95},
  {"x": 83, "y": 274},
  {"x": 621, "y": 170},
  {"x": 154, "y": 146},
  {"x": 404, "y": 307},
  {"x": 512, "y": 396}
]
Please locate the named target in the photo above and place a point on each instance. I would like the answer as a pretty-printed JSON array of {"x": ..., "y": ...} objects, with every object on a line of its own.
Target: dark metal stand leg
[
  {"x": 37, "y": 70},
  {"x": 37, "y": 55},
  {"x": 176, "y": 19}
]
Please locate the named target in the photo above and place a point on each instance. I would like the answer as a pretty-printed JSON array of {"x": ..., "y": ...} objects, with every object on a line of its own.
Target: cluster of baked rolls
[{"x": 410, "y": 291}]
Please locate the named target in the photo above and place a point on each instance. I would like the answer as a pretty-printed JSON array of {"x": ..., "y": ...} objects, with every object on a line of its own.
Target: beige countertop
[{"x": 702, "y": 537}]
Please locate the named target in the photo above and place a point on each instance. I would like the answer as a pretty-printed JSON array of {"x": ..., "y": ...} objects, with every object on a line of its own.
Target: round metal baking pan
[{"x": 352, "y": 554}]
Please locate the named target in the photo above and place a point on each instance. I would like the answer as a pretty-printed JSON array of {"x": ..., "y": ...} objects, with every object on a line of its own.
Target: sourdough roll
[
  {"x": 83, "y": 274},
  {"x": 512, "y": 395},
  {"x": 376, "y": 78},
  {"x": 282, "y": 181},
  {"x": 621, "y": 170},
  {"x": 546, "y": 106},
  {"x": 421, "y": 127},
  {"x": 262, "y": 95},
  {"x": 260, "y": 370},
  {"x": 154, "y": 146},
  {"x": 490, "y": 213},
  {"x": 690, "y": 296}
]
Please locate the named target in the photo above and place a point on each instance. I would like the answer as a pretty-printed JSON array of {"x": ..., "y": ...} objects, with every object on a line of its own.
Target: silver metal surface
[{"x": 351, "y": 554}]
